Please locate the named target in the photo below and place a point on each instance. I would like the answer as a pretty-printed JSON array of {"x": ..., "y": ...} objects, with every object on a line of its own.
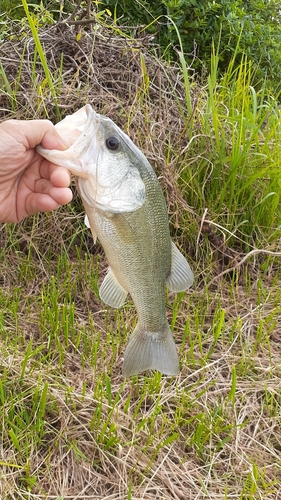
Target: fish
[{"x": 126, "y": 210}]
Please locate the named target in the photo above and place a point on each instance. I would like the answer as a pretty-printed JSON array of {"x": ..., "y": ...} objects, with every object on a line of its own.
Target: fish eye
[{"x": 112, "y": 143}]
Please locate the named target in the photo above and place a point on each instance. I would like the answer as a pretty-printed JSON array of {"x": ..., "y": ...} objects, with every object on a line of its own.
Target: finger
[
  {"x": 41, "y": 202},
  {"x": 37, "y": 202},
  {"x": 59, "y": 176},
  {"x": 61, "y": 194},
  {"x": 33, "y": 132}
]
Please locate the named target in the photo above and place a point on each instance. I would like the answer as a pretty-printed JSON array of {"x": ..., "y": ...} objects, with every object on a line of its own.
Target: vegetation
[
  {"x": 249, "y": 29},
  {"x": 71, "y": 427}
]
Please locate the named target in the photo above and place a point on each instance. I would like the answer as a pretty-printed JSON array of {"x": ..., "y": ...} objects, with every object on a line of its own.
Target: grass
[{"x": 71, "y": 426}]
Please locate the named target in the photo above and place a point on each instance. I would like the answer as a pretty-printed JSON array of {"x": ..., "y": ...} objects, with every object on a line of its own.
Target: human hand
[{"x": 28, "y": 182}]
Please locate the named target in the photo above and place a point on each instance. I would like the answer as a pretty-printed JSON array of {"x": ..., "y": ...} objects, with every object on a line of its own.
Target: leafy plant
[{"x": 248, "y": 28}]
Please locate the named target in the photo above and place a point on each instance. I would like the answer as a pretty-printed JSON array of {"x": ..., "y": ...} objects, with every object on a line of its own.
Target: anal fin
[
  {"x": 111, "y": 292},
  {"x": 181, "y": 276}
]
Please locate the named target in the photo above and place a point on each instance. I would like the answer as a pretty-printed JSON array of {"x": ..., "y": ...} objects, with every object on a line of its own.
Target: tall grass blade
[{"x": 41, "y": 54}]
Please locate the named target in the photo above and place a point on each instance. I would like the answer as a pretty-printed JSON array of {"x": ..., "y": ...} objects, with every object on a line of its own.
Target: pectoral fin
[
  {"x": 87, "y": 223},
  {"x": 181, "y": 276},
  {"x": 111, "y": 292}
]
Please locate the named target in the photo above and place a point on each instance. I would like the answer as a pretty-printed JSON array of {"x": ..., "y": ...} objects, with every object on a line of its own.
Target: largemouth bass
[{"x": 125, "y": 208}]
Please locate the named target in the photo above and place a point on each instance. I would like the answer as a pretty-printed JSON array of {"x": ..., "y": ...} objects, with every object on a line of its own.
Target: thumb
[
  {"x": 34, "y": 132},
  {"x": 51, "y": 138}
]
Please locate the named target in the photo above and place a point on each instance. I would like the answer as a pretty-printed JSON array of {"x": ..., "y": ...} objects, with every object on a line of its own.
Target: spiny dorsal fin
[
  {"x": 181, "y": 276},
  {"x": 111, "y": 292}
]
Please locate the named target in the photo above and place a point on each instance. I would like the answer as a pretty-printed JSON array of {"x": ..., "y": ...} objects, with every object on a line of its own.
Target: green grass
[
  {"x": 63, "y": 400},
  {"x": 237, "y": 171},
  {"x": 71, "y": 426}
]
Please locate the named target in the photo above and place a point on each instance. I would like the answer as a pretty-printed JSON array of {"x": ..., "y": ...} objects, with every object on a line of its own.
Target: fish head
[{"x": 103, "y": 160}]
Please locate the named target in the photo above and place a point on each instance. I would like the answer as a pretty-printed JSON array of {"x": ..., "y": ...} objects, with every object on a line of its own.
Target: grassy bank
[{"x": 71, "y": 426}]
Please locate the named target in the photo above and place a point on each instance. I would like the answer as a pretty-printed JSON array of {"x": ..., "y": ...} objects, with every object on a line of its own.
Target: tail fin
[{"x": 151, "y": 350}]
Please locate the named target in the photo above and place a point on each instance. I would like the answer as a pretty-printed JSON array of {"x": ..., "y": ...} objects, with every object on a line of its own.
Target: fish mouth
[
  {"x": 79, "y": 132},
  {"x": 113, "y": 187},
  {"x": 72, "y": 126}
]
